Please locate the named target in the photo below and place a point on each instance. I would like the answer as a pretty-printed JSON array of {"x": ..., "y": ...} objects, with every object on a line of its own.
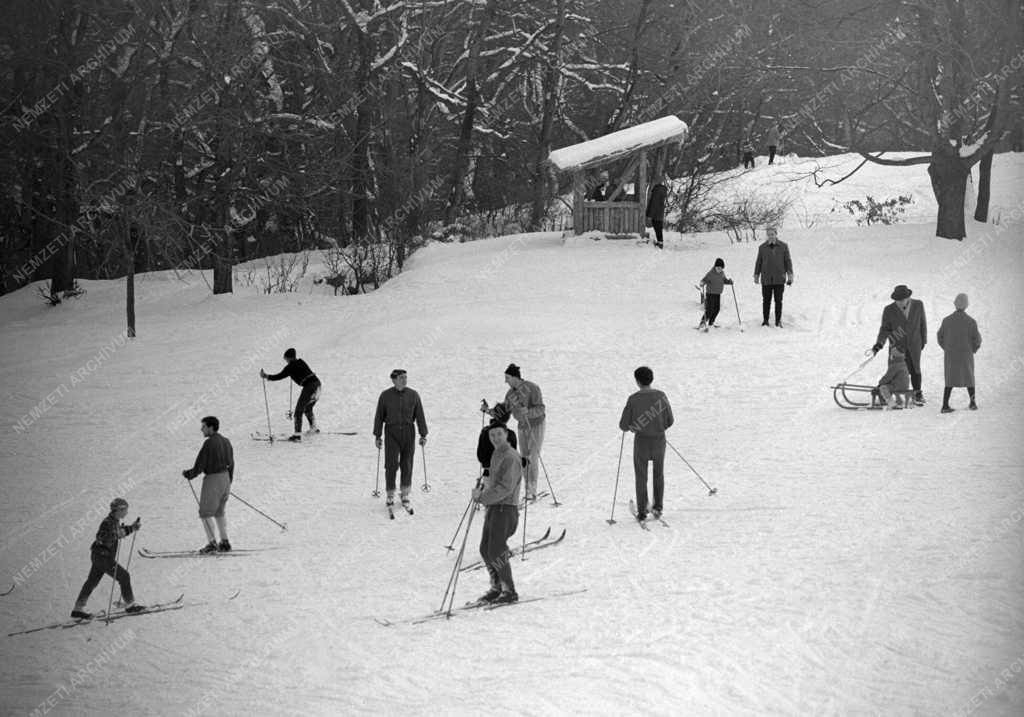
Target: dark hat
[
  {"x": 513, "y": 370},
  {"x": 496, "y": 424},
  {"x": 500, "y": 413},
  {"x": 290, "y": 353},
  {"x": 720, "y": 262},
  {"x": 901, "y": 292},
  {"x": 118, "y": 503},
  {"x": 395, "y": 373}
]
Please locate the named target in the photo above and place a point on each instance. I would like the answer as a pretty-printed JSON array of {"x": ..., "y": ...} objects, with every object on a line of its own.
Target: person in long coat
[
  {"x": 656, "y": 209},
  {"x": 960, "y": 340},
  {"x": 904, "y": 326}
]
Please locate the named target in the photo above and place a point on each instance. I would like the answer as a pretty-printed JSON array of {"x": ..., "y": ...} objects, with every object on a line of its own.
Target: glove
[
  {"x": 137, "y": 524},
  {"x": 185, "y": 474},
  {"x": 476, "y": 493},
  {"x": 263, "y": 374},
  {"x": 728, "y": 281},
  {"x": 873, "y": 350},
  {"x": 378, "y": 442},
  {"x": 789, "y": 280},
  {"x": 423, "y": 440},
  {"x": 756, "y": 279},
  {"x": 483, "y": 406}
]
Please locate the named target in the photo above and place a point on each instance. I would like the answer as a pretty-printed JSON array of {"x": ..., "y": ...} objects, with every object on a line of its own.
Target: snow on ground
[{"x": 851, "y": 563}]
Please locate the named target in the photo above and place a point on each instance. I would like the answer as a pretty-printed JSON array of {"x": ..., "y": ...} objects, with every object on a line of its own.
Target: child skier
[
  {"x": 104, "y": 560},
  {"x": 713, "y": 282},
  {"x": 897, "y": 378}
]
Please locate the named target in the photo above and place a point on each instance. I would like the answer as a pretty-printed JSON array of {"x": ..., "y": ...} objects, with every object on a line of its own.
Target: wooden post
[
  {"x": 578, "y": 185},
  {"x": 641, "y": 192}
]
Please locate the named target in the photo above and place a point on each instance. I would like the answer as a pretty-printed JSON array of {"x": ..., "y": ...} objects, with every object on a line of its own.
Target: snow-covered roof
[{"x": 612, "y": 146}]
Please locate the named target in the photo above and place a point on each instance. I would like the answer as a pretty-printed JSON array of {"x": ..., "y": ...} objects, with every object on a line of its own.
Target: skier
[
  {"x": 484, "y": 447},
  {"x": 960, "y": 340},
  {"x": 298, "y": 371},
  {"x": 656, "y": 210},
  {"x": 772, "y": 268},
  {"x": 399, "y": 408},
  {"x": 712, "y": 285},
  {"x": 104, "y": 561},
  {"x": 216, "y": 460},
  {"x": 525, "y": 402},
  {"x": 500, "y": 493},
  {"x": 895, "y": 379},
  {"x": 647, "y": 414},
  {"x": 904, "y": 325}
]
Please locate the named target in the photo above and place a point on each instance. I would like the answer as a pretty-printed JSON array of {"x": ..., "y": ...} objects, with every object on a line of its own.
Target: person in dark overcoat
[
  {"x": 960, "y": 340},
  {"x": 904, "y": 325}
]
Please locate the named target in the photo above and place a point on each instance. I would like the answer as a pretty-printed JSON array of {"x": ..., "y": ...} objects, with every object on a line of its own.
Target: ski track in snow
[{"x": 851, "y": 562}]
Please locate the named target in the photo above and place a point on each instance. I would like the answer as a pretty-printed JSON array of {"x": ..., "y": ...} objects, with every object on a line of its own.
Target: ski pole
[
  {"x": 131, "y": 550},
  {"x": 280, "y": 525},
  {"x": 551, "y": 488},
  {"x": 266, "y": 402},
  {"x": 426, "y": 483},
  {"x": 737, "y": 305},
  {"x": 110, "y": 602},
  {"x": 451, "y": 543},
  {"x": 193, "y": 492},
  {"x": 618, "y": 469},
  {"x": 454, "y": 580},
  {"x": 711, "y": 491},
  {"x": 376, "y": 487},
  {"x": 526, "y": 514},
  {"x": 288, "y": 413}
]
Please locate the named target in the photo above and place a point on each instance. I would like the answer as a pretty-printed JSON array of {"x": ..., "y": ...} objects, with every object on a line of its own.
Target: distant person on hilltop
[
  {"x": 298, "y": 371},
  {"x": 904, "y": 325},
  {"x": 713, "y": 284},
  {"x": 774, "y": 271},
  {"x": 656, "y": 209},
  {"x": 747, "y": 148},
  {"x": 773, "y": 141},
  {"x": 960, "y": 340}
]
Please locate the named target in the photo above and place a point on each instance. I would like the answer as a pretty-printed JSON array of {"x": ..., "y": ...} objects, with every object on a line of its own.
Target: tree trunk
[
  {"x": 551, "y": 96},
  {"x": 361, "y": 148},
  {"x": 948, "y": 173}
]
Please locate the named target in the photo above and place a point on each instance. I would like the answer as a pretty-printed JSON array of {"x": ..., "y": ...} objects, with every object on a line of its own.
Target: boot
[
  {"x": 491, "y": 595},
  {"x": 295, "y": 438},
  {"x": 79, "y": 613},
  {"x": 224, "y": 546},
  {"x": 210, "y": 547},
  {"x": 506, "y": 596},
  {"x": 134, "y": 607}
]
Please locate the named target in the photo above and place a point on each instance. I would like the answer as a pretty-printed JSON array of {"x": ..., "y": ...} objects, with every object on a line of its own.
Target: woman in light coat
[{"x": 960, "y": 340}]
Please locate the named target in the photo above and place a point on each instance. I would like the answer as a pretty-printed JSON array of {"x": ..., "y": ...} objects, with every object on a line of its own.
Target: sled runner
[{"x": 842, "y": 390}]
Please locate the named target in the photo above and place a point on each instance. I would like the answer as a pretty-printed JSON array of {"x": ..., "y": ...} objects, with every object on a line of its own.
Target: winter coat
[
  {"x": 501, "y": 485},
  {"x": 773, "y": 263},
  {"x": 216, "y": 456},
  {"x": 647, "y": 413},
  {"x": 897, "y": 378},
  {"x": 960, "y": 340},
  {"x": 773, "y": 137},
  {"x": 525, "y": 403},
  {"x": 909, "y": 333},
  {"x": 715, "y": 282},
  {"x": 297, "y": 370},
  {"x": 656, "y": 204},
  {"x": 110, "y": 531},
  {"x": 399, "y": 408}
]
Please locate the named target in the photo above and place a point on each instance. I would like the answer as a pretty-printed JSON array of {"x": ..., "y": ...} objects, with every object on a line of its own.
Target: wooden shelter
[{"x": 618, "y": 214}]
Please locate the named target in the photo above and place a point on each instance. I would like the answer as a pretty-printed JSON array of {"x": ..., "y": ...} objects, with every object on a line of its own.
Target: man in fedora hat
[{"x": 904, "y": 326}]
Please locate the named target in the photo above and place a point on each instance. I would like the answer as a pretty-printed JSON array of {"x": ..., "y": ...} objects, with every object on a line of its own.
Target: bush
[{"x": 872, "y": 211}]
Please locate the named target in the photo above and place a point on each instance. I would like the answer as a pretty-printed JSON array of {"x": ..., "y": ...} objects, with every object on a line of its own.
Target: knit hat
[
  {"x": 720, "y": 262},
  {"x": 900, "y": 293},
  {"x": 118, "y": 503},
  {"x": 500, "y": 413},
  {"x": 513, "y": 370},
  {"x": 289, "y": 354},
  {"x": 960, "y": 301},
  {"x": 395, "y": 373}
]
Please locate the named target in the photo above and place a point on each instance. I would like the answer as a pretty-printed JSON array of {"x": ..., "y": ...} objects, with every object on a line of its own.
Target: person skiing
[
  {"x": 656, "y": 210},
  {"x": 499, "y": 491},
  {"x": 960, "y": 340},
  {"x": 484, "y": 447},
  {"x": 904, "y": 325},
  {"x": 525, "y": 402},
  {"x": 104, "y": 560},
  {"x": 399, "y": 414},
  {"x": 216, "y": 460},
  {"x": 712, "y": 286},
  {"x": 298, "y": 371},
  {"x": 896, "y": 378},
  {"x": 647, "y": 414},
  {"x": 774, "y": 271}
]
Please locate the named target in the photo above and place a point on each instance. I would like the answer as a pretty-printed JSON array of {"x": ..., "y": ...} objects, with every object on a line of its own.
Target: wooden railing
[{"x": 611, "y": 217}]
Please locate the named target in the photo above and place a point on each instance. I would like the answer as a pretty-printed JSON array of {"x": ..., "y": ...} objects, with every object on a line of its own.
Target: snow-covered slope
[{"x": 851, "y": 563}]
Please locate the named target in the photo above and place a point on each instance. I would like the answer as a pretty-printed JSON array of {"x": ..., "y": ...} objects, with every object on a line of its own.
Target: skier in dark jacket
[
  {"x": 216, "y": 461},
  {"x": 774, "y": 271},
  {"x": 647, "y": 414},
  {"x": 299, "y": 372},
  {"x": 714, "y": 282},
  {"x": 656, "y": 210},
  {"x": 399, "y": 413},
  {"x": 484, "y": 446},
  {"x": 104, "y": 559}
]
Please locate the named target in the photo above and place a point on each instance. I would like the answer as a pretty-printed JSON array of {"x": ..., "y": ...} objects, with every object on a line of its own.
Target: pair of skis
[
  {"x": 475, "y": 605},
  {"x": 644, "y": 523},
  {"x": 144, "y": 553},
  {"x": 270, "y": 438},
  {"x": 534, "y": 545}
]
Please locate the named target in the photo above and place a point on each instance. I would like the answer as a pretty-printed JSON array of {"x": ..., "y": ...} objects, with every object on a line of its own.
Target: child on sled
[{"x": 895, "y": 380}]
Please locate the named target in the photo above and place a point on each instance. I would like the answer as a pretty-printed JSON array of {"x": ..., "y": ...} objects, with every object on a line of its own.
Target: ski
[
  {"x": 101, "y": 615},
  {"x": 340, "y": 433},
  {"x": 143, "y": 553},
  {"x": 9, "y": 591},
  {"x": 530, "y": 547},
  {"x": 261, "y": 437},
  {"x": 636, "y": 516},
  {"x": 478, "y": 605}
]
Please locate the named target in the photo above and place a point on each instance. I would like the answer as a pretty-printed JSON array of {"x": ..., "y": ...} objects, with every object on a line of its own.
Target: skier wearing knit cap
[
  {"x": 960, "y": 340},
  {"x": 104, "y": 560},
  {"x": 299, "y": 371},
  {"x": 526, "y": 404},
  {"x": 714, "y": 283}
]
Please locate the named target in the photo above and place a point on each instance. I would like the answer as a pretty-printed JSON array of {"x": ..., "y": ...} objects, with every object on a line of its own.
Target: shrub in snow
[{"x": 872, "y": 211}]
